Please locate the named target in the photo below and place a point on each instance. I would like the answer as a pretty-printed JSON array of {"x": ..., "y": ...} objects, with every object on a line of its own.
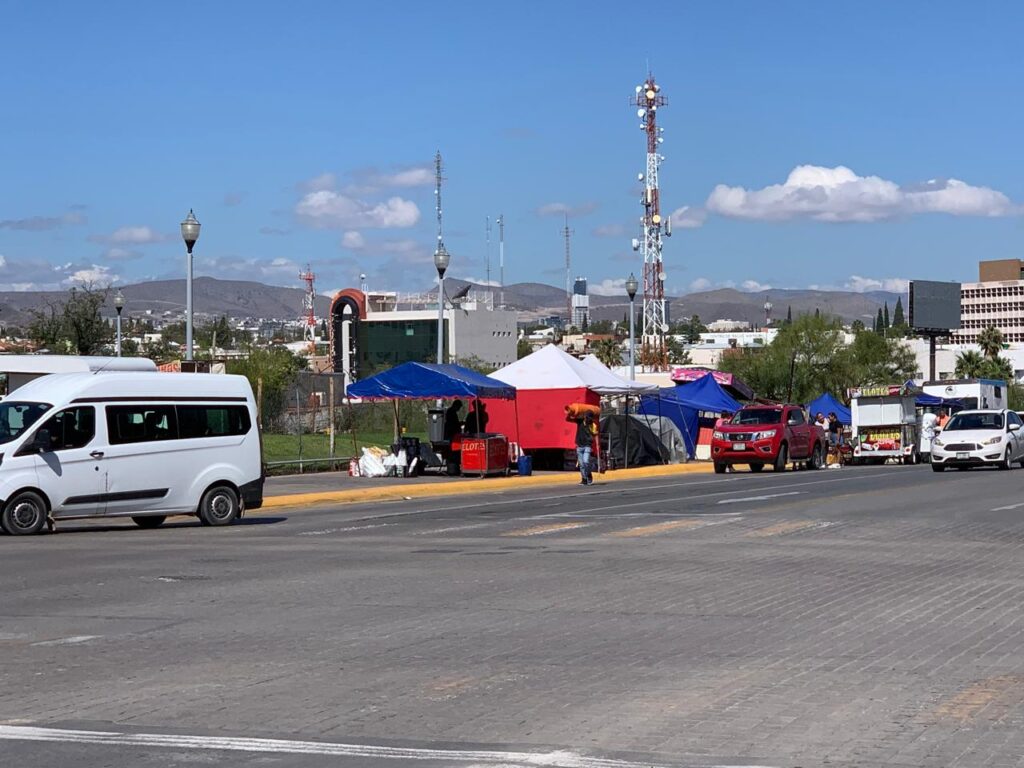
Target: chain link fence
[{"x": 310, "y": 426}]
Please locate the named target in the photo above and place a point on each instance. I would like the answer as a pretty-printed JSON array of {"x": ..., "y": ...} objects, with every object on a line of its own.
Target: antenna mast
[
  {"x": 655, "y": 320},
  {"x": 501, "y": 257},
  {"x": 487, "y": 252},
  {"x": 438, "y": 178},
  {"x": 568, "y": 271},
  {"x": 308, "y": 305}
]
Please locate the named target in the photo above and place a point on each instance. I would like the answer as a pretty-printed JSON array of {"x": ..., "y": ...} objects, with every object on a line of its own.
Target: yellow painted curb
[{"x": 396, "y": 492}]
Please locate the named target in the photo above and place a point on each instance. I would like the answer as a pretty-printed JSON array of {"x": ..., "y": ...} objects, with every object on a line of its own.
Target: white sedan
[{"x": 979, "y": 438}]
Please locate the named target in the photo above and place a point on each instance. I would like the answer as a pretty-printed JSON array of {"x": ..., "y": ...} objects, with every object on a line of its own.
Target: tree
[
  {"x": 601, "y": 327},
  {"x": 857, "y": 326},
  {"x": 898, "y": 320},
  {"x": 474, "y": 363},
  {"x": 969, "y": 365},
  {"x": 523, "y": 348},
  {"x": 789, "y": 315},
  {"x": 885, "y": 317},
  {"x": 817, "y": 312},
  {"x": 990, "y": 340},
  {"x": 275, "y": 368},
  {"x": 997, "y": 368},
  {"x": 677, "y": 353},
  {"x": 608, "y": 352},
  {"x": 74, "y": 325},
  {"x": 879, "y": 323}
]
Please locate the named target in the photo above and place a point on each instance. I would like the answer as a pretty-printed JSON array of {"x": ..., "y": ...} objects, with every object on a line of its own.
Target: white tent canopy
[
  {"x": 632, "y": 386},
  {"x": 552, "y": 368}
]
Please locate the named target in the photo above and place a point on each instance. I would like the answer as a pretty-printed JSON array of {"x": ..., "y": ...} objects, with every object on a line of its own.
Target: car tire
[
  {"x": 24, "y": 515},
  {"x": 149, "y": 521},
  {"x": 938, "y": 467},
  {"x": 219, "y": 506},
  {"x": 815, "y": 461},
  {"x": 782, "y": 459},
  {"x": 757, "y": 467},
  {"x": 1007, "y": 462},
  {"x": 720, "y": 468}
]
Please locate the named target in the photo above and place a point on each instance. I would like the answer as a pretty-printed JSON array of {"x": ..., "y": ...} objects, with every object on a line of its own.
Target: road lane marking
[
  {"x": 325, "y": 531},
  {"x": 759, "y": 498},
  {"x": 451, "y": 529},
  {"x": 554, "y": 759},
  {"x": 997, "y": 695},
  {"x": 787, "y": 527},
  {"x": 73, "y": 640},
  {"x": 1011, "y": 506},
  {"x": 541, "y": 530},
  {"x": 656, "y": 528}
]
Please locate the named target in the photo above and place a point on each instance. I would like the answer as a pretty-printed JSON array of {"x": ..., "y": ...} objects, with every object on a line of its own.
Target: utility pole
[
  {"x": 568, "y": 271},
  {"x": 501, "y": 257}
]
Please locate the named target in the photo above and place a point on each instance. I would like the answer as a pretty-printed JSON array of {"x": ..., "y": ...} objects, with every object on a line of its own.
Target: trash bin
[
  {"x": 435, "y": 424},
  {"x": 525, "y": 465}
]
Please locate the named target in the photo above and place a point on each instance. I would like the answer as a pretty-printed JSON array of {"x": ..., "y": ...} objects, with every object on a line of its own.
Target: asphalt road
[{"x": 852, "y": 617}]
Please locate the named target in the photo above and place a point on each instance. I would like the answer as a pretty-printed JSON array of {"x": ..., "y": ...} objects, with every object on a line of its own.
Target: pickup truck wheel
[
  {"x": 720, "y": 468},
  {"x": 782, "y": 459},
  {"x": 759, "y": 467},
  {"x": 815, "y": 461}
]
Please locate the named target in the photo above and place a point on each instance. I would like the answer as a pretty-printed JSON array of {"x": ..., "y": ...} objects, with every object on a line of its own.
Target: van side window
[
  {"x": 141, "y": 423},
  {"x": 71, "y": 428},
  {"x": 212, "y": 420}
]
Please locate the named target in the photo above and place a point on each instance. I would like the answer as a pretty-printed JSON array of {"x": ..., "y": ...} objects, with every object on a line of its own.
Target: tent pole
[{"x": 625, "y": 454}]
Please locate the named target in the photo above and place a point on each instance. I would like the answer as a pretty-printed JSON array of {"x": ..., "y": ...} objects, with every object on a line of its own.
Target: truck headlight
[
  {"x": 717, "y": 435},
  {"x": 767, "y": 434}
]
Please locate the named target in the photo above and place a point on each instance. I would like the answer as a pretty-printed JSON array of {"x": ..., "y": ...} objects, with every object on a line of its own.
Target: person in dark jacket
[
  {"x": 477, "y": 418},
  {"x": 452, "y": 420},
  {"x": 585, "y": 431}
]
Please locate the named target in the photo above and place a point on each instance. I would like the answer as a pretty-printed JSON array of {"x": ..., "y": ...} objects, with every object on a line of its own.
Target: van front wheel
[
  {"x": 219, "y": 506},
  {"x": 24, "y": 515}
]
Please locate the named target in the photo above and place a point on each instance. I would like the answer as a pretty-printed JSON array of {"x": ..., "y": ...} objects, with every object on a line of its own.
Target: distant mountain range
[{"x": 241, "y": 298}]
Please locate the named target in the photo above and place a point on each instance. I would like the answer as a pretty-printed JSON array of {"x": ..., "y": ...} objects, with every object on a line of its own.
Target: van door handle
[{"x": 97, "y": 454}]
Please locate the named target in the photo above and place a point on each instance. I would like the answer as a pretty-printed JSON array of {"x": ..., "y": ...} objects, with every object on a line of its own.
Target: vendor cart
[
  {"x": 485, "y": 455},
  {"x": 884, "y": 424}
]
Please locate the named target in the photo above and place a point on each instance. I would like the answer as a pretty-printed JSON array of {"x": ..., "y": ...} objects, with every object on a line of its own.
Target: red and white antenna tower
[
  {"x": 652, "y": 227},
  {"x": 308, "y": 305}
]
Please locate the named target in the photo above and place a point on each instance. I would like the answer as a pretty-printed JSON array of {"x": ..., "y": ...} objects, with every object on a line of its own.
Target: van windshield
[{"x": 16, "y": 418}]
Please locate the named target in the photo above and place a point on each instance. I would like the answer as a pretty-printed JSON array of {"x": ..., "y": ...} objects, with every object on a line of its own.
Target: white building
[{"x": 997, "y": 299}]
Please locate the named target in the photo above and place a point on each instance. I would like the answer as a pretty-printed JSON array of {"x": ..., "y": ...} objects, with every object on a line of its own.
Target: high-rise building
[
  {"x": 580, "y": 304},
  {"x": 997, "y": 299}
]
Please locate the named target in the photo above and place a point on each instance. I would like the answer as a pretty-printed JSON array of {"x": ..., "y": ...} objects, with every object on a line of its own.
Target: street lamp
[
  {"x": 189, "y": 233},
  {"x": 631, "y": 286},
  {"x": 119, "y": 305},
  {"x": 441, "y": 261}
]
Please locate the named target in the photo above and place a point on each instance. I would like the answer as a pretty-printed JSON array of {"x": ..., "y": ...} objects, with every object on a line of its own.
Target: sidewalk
[{"x": 339, "y": 488}]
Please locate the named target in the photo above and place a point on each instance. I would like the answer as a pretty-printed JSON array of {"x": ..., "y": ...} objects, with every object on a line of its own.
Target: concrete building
[
  {"x": 946, "y": 355},
  {"x": 997, "y": 299},
  {"x": 580, "y": 304}
]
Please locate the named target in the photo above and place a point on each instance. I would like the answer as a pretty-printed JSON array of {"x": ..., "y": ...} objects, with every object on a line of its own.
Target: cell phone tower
[
  {"x": 652, "y": 227},
  {"x": 308, "y": 305}
]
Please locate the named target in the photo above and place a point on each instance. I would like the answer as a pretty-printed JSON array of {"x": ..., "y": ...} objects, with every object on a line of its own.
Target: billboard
[{"x": 934, "y": 306}]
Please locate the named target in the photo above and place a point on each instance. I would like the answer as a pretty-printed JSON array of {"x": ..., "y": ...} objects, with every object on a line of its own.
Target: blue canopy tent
[
  {"x": 429, "y": 381},
  {"x": 683, "y": 405},
  {"x": 827, "y": 404}
]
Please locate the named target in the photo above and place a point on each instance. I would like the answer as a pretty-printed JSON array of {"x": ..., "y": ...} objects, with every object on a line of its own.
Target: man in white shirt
[{"x": 928, "y": 423}]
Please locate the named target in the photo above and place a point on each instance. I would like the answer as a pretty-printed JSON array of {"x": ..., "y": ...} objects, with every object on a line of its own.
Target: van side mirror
[{"x": 41, "y": 442}]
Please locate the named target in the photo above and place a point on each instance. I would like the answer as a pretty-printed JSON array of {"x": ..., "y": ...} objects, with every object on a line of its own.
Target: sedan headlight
[
  {"x": 767, "y": 434},
  {"x": 717, "y": 435},
  {"x": 994, "y": 440},
  {"x": 937, "y": 442}
]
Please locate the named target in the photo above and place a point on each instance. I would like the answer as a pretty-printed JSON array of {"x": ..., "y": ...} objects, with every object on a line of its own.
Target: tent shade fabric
[
  {"x": 552, "y": 368},
  {"x": 427, "y": 381},
  {"x": 541, "y": 420},
  {"x": 827, "y": 404},
  {"x": 632, "y": 386},
  {"x": 705, "y": 394},
  {"x": 641, "y": 447},
  {"x": 683, "y": 404}
]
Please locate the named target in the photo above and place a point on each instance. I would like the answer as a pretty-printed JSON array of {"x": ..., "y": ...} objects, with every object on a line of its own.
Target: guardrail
[{"x": 341, "y": 460}]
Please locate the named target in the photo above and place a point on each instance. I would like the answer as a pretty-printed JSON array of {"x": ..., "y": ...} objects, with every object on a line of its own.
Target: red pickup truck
[{"x": 768, "y": 434}]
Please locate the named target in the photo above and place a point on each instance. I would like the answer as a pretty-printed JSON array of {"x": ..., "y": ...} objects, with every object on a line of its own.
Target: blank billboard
[{"x": 934, "y": 306}]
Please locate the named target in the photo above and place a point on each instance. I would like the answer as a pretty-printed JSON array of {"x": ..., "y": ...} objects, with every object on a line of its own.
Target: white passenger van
[
  {"x": 18, "y": 370},
  {"x": 139, "y": 445}
]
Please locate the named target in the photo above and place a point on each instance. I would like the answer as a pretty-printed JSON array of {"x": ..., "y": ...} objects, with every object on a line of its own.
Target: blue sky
[{"x": 305, "y": 132}]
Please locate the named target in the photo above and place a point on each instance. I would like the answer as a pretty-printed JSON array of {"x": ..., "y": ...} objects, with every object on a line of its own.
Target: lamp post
[
  {"x": 631, "y": 286},
  {"x": 189, "y": 233},
  {"x": 441, "y": 260},
  {"x": 118, "y": 305}
]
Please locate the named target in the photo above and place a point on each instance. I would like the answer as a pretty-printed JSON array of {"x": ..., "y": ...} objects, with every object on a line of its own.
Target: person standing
[
  {"x": 928, "y": 423},
  {"x": 821, "y": 421},
  {"x": 477, "y": 418},
  {"x": 585, "y": 431},
  {"x": 943, "y": 418},
  {"x": 452, "y": 420}
]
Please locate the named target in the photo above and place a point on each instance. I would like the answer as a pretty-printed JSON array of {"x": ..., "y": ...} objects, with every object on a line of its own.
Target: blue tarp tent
[
  {"x": 683, "y": 403},
  {"x": 427, "y": 381},
  {"x": 827, "y": 404}
]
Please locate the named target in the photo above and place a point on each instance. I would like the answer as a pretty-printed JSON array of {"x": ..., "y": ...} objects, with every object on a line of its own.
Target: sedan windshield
[
  {"x": 17, "y": 417},
  {"x": 757, "y": 416},
  {"x": 965, "y": 421}
]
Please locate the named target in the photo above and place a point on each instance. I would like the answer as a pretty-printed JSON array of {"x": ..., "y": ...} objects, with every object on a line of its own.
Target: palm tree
[
  {"x": 998, "y": 368},
  {"x": 969, "y": 365},
  {"x": 608, "y": 352},
  {"x": 990, "y": 341}
]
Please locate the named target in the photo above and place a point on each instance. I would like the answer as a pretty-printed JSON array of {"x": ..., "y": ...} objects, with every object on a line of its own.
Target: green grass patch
[{"x": 316, "y": 446}]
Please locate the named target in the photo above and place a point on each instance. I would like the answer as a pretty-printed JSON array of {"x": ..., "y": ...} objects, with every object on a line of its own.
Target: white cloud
[
  {"x": 564, "y": 209},
  {"x": 839, "y": 194},
  {"x": 753, "y": 286},
  {"x": 688, "y": 218},
  {"x": 326, "y": 209},
  {"x": 319, "y": 183},
  {"x": 609, "y": 230},
  {"x": 419, "y": 176},
  {"x": 862, "y": 284},
  {"x": 136, "y": 235},
  {"x": 44, "y": 223},
  {"x": 479, "y": 281},
  {"x": 121, "y": 254},
  {"x": 279, "y": 270},
  {"x": 609, "y": 287},
  {"x": 98, "y": 275},
  {"x": 353, "y": 240},
  {"x": 700, "y": 284}
]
